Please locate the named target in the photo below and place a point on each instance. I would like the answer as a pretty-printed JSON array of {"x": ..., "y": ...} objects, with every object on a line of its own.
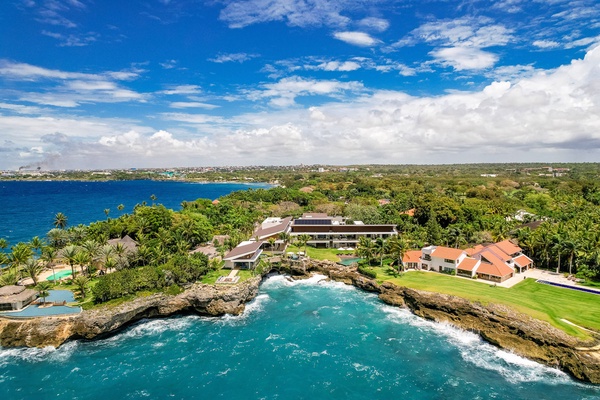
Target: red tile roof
[
  {"x": 468, "y": 264},
  {"x": 411, "y": 256},
  {"x": 508, "y": 247},
  {"x": 447, "y": 253},
  {"x": 500, "y": 270},
  {"x": 523, "y": 260},
  {"x": 472, "y": 250}
]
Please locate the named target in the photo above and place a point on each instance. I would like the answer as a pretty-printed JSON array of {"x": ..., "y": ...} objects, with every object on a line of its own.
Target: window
[{"x": 448, "y": 260}]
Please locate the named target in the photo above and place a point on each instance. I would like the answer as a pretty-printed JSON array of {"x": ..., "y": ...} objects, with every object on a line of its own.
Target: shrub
[{"x": 368, "y": 272}]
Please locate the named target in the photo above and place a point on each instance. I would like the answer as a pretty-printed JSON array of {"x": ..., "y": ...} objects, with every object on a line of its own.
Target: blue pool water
[
  {"x": 55, "y": 296},
  {"x": 296, "y": 340},
  {"x": 28, "y": 208}
]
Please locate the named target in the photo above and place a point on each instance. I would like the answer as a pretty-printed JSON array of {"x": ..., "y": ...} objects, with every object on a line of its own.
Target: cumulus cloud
[
  {"x": 464, "y": 58},
  {"x": 492, "y": 124},
  {"x": 284, "y": 92},
  {"x": 356, "y": 38}
]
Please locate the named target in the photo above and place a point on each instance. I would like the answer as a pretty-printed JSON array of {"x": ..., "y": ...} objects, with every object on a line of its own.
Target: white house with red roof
[{"x": 495, "y": 262}]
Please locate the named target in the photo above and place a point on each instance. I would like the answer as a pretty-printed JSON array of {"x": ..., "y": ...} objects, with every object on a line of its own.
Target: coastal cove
[
  {"x": 298, "y": 339},
  {"x": 29, "y": 206}
]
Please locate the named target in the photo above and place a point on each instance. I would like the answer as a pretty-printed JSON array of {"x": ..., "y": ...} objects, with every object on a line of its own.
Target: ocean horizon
[{"x": 30, "y": 206}]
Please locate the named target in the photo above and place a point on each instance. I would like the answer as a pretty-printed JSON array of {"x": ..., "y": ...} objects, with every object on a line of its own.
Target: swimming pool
[
  {"x": 581, "y": 289},
  {"x": 36, "y": 311},
  {"x": 59, "y": 275},
  {"x": 349, "y": 261}
]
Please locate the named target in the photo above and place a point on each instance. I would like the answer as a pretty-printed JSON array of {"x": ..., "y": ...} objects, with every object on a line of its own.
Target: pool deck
[{"x": 46, "y": 274}]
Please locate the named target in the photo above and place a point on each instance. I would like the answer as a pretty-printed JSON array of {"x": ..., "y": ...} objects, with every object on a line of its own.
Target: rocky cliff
[
  {"x": 210, "y": 300},
  {"x": 497, "y": 324}
]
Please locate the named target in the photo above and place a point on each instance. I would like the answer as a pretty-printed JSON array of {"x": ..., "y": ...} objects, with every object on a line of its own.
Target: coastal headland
[{"x": 497, "y": 324}]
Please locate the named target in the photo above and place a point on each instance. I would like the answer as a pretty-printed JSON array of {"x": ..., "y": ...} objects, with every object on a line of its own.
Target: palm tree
[
  {"x": 48, "y": 256},
  {"x": 57, "y": 237},
  {"x": 81, "y": 282},
  {"x": 20, "y": 253},
  {"x": 91, "y": 248},
  {"x": 153, "y": 198},
  {"x": 32, "y": 268},
  {"x": 43, "y": 289},
  {"x": 60, "y": 220},
  {"x": 36, "y": 244},
  {"x": 381, "y": 245},
  {"x": 271, "y": 241},
  {"x": 303, "y": 241},
  {"x": 120, "y": 207},
  {"x": 569, "y": 247},
  {"x": 82, "y": 258},
  {"x": 398, "y": 247},
  {"x": 10, "y": 276},
  {"x": 3, "y": 243},
  {"x": 106, "y": 212},
  {"x": 365, "y": 248},
  {"x": 69, "y": 253}
]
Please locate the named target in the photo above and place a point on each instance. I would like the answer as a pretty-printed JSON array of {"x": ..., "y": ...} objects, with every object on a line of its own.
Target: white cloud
[
  {"x": 336, "y": 66},
  {"x": 284, "y": 92},
  {"x": 233, "y": 57},
  {"x": 356, "y": 38},
  {"x": 466, "y": 32},
  {"x": 302, "y": 13},
  {"x": 545, "y": 44},
  {"x": 192, "y": 104},
  {"x": 376, "y": 24},
  {"x": 182, "y": 89},
  {"x": 464, "y": 58},
  {"x": 495, "y": 124},
  {"x": 72, "y": 40}
]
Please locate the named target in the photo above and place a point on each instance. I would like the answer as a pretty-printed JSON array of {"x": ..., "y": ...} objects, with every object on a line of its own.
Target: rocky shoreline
[{"x": 497, "y": 324}]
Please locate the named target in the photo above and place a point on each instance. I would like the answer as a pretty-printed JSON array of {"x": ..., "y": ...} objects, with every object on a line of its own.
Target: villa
[
  {"x": 335, "y": 232},
  {"x": 495, "y": 262},
  {"x": 244, "y": 256}
]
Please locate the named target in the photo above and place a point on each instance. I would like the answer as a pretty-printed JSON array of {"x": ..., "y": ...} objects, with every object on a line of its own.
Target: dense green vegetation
[{"x": 552, "y": 214}]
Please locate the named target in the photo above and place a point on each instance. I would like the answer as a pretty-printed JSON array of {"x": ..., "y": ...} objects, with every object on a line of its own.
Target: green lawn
[
  {"x": 544, "y": 302},
  {"x": 212, "y": 276}
]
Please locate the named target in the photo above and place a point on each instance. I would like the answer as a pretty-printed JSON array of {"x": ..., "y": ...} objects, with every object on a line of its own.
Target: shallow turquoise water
[
  {"x": 55, "y": 296},
  {"x": 58, "y": 275},
  {"x": 306, "y": 340}
]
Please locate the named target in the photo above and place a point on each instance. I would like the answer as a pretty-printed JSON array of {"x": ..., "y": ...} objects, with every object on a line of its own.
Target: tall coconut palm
[
  {"x": 36, "y": 244},
  {"x": 365, "y": 248},
  {"x": 81, "y": 283},
  {"x": 57, "y": 237},
  {"x": 43, "y": 289},
  {"x": 32, "y": 268},
  {"x": 398, "y": 247},
  {"x": 10, "y": 276},
  {"x": 60, "y": 220},
  {"x": 381, "y": 248},
  {"x": 303, "y": 241},
  {"x": 69, "y": 254},
  {"x": 82, "y": 258},
  {"x": 48, "y": 256},
  {"x": 19, "y": 254}
]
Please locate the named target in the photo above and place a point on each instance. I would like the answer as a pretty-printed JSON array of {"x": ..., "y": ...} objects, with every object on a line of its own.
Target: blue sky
[{"x": 164, "y": 83}]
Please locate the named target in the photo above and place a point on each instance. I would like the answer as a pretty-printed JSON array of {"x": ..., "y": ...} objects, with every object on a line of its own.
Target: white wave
[
  {"x": 35, "y": 355},
  {"x": 474, "y": 350}
]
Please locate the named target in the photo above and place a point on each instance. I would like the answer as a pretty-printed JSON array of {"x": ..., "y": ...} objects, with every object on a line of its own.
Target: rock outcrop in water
[
  {"x": 495, "y": 323},
  {"x": 212, "y": 300}
]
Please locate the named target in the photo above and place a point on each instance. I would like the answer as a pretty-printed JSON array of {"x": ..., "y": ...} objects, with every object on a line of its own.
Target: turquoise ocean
[{"x": 297, "y": 340}]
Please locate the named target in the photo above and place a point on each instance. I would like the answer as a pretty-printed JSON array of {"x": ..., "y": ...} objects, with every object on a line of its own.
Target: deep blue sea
[
  {"x": 296, "y": 340},
  {"x": 28, "y": 208}
]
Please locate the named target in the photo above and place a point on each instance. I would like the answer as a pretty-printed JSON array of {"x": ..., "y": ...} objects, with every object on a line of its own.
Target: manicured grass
[
  {"x": 320, "y": 254},
  {"x": 212, "y": 276},
  {"x": 544, "y": 302}
]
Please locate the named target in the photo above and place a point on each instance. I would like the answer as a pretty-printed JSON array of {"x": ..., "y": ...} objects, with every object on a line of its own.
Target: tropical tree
[
  {"x": 43, "y": 289},
  {"x": 32, "y": 268},
  {"x": 398, "y": 247},
  {"x": 69, "y": 254},
  {"x": 106, "y": 212},
  {"x": 20, "y": 253},
  {"x": 60, "y": 220},
  {"x": 303, "y": 241},
  {"x": 120, "y": 207},
  {"x": 365, "y": 248},
  {"x": 271, "y": 241},
  {"x": 48, "y": 256},
  {"x": 10, "y": 276},
  {"x": 381, "y": 247},
  {"x": 36, "y": 244},
  {"x": 81, "y": 283},
  {"x": 57, "y": 237},
  {"x": 82, "y": 258}
]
